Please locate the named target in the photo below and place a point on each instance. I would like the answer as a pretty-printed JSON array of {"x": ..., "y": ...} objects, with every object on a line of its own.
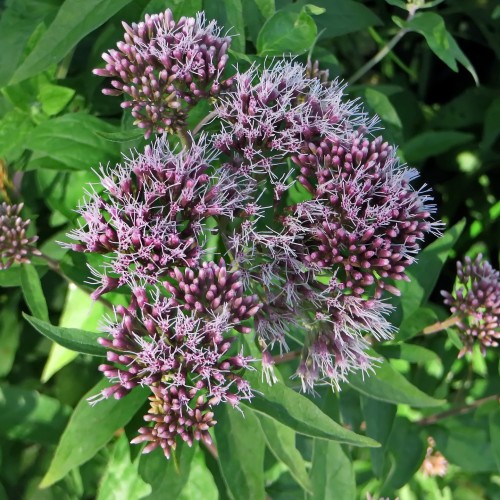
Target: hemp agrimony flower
[
  {"x": 15, "y": 245},
  {"x": 475, "y": 302}
]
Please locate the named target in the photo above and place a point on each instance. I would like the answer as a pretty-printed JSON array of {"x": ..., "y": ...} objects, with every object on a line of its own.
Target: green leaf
[
  {"x": 267, "y": 7},
  {"x": 54, "y": 98},
  {"x": 234, "y": 13},
  {"x": 10, "y": 332},
  {"x": 299, "y": 413},
  {"x": 387, "y": 384},
  {"x": 71, "y": 142},
  {"x": 18, "y": 22},
  {"x": 494, "y": 420},
  {"x": 166, "y": 475},
  {"x": 241, "y": 446},
  {"x": 31, "y": 416},
  {"x": 332, "y": 474},
  {"x": 424, "y": 274},
  {"x": 433, "y": 28},
  {"x": 11, "y": 277},
  {"x": 286, "y": 32},
  {"x": 200, "y": 483},
  {"x": 434, "y": 143},
  {"x": 491, "y": 130},
  {"x": 413, "y": 324},
  {"x": 33, "y": 292},
  {"x": 121, "y": 478},
  {"x": 280, "y": 440},
  {"x": 73, "y": 22},
  {"x": 90, "y": 428},
  {"x": 15, "y": 126},
  {"x": 379, "y": 418},
  {"x": 71, "y": 338},
  {"x": 122, "y": 136},
  {"x": 409, "y": 352}
]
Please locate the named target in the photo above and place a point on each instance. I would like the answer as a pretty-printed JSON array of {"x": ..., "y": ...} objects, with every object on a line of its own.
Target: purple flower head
[
  {"x": 15, "y": 245},
  {"x": 166, "y": 66},
  {"x": 365, "y": 218},
  {"x": 149, "y": 216},
  {"x": 475, "y": 301},
  {"x": 181, "y": 346}
]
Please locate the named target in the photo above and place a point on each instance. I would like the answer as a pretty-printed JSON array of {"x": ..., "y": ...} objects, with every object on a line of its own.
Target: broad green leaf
[
  {"x": 280, "y": 440},
  {"x": 71, "y": 142},
  {"x": 18, "y": 22},
  {"x": 33, "y": 292},
  {"x": 440, "y": 41},
  {"x": 200, "y": 483},
  {"x": 11, "y": 277},
  {"x": 71, "y": 338},
  {"x": 90, "y": 428},
  {"x": 234, "y": 13},
  {"x": 80, "y": 312},
  {"x": 241, "y": 446},
  {"x": 332, "y": 474},
  {"x": 299, "y": 413},
  {"x": 407, "y": 451},
  {"x": 166, "y": 475},
  {"x": 379, "y": 418},
  {"x": 424, "y": 274},
  {"x": 387, "y": 384},
  {"x": 10, "y": 332},
  {"x": 267, "y": 7},
  {"x": 15, "y": 126},
  {"x": 122, "y": 136},
  {"x": 121, "y": 478},
  {"x": 286, "y": 32},
  {"x": 381, "y": 105},
  {"x": 413, "y": 324},
  {"x": 494, "y": 418},
  {"x": 409, "y": 352},
  {"x": 433, "y": 143},
  {"x": 54, "y": 98},
  {"x": 73, "y": 22},
  {"x": 31, "y": 416}
]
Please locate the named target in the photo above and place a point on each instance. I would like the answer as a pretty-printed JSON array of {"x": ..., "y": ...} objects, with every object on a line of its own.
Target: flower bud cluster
[
  {"x": 166, "y": 66},
  {"x": 180, "y": 344},
  {"x": 475, "y": 301},
  {"x": 15, "y": 245}
]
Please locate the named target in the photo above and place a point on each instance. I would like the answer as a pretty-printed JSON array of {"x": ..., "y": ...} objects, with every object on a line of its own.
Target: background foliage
[{"x": 436, "y": 91}]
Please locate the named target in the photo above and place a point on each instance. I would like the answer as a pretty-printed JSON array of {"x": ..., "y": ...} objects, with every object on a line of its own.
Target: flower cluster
[
  {"x": 475, "y": 302},
  {"x": 149, "y": 214},
  {"x": 15, "y": 245},
  {"x": 166, "y": 66},
  {"x": 180, "y": 345}
]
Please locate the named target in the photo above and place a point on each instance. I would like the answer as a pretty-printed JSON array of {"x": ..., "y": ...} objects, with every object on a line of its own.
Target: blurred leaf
[
  {"x": 121, "y": 478},
  {"x": 281, "y": 441},
  {"x": 73, "y": 22},
  {"x": 18, "y": 22},
  {"x": 299, "y": 413},
  {"x": 407, "y": 451},
  {"x": 433, "y": 143},
  {"x": 234, "y": 13},
  {"x": 494, "y": 418},
  {"x": 379, "y": 418},
  {"x": 72, "y": 142},
  {"x": 54, "y": 98},
  {"x": 15, "y": 126},
  {"x": 387, "y": 384},
  {"x": 409, "y": 352},
  {"x": 266, "y": 7},
  {"x": 332, "y": 474},
  {"x": 81, "y": 312},
  {"x": 30, "y": 416},
  {"x": 491, "y": 130},
  {"x": 122, "y": 136},
  {"x": 33, "y": 292},
  {"x": 71, "y": 338},
  {"x": 241, "y": 446},
  {"x": 200, "y": 483},
  {"x": 286, "y": 32},
  {"x": 433, "y": 28},
  {"x": 10, "y": 331},
  {"x": 414, "y": 323},
  {"x": 166, "y": 475},
  {"x": 425, "y": 273},
  {"x": 90, "y": 428}
]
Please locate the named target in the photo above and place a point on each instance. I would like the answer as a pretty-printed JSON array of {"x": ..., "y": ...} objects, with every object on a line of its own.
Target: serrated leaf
[
  {"x": 286, "y": 32},
  {"x": 241, "y": 446},
  {"x": 75, "y": 19},
  {"x": 299, "y": 413},
  {"x": 71, "y": 338},
  {"x": 33, "y": 292},
  {"x": 71, "y": 142},
  {"x": 280, "y": 440},
  {"x": 90, "y": 428},
  {"x": 387, "y": 384},
  {"x": 332, "y": 474},
  {"x": 166, "y": 475}
]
